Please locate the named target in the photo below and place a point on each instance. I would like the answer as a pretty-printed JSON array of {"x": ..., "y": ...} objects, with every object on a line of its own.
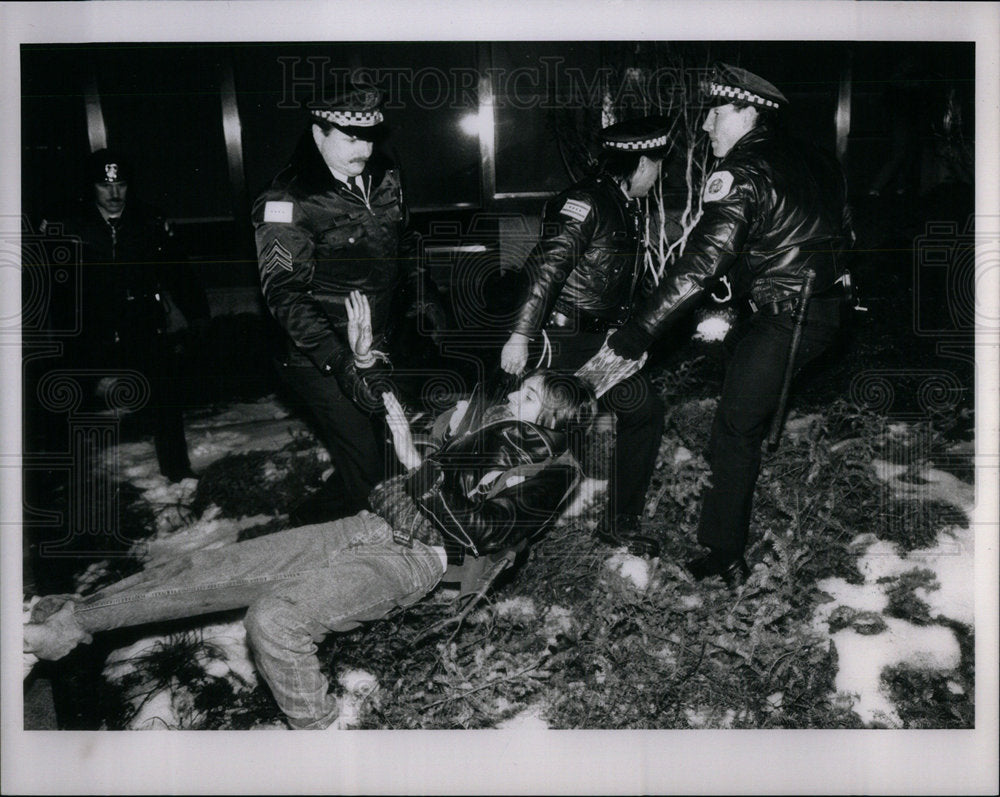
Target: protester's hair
[{"x": 567, "y": 401}]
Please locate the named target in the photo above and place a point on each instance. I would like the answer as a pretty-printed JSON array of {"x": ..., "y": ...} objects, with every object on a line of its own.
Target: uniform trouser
[
  {"x": 639, "y": 414},
  {"x": 356, "y": 452},
  {"x": 299, "y": 585},
  {"x": 756, "y": 353},
  {"x": 167, "y": 411}
]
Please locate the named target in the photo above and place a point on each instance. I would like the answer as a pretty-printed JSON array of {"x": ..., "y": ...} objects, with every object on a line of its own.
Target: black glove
[{"x": 630, "y": 342}]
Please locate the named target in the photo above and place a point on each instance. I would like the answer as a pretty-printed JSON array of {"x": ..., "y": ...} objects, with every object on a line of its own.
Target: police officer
[
  {"x": 583, "y": 277},
  {"x": 772, "y": 208},
  {"x": 130, "y": 270},
  {"x": 331, "y": 223}
]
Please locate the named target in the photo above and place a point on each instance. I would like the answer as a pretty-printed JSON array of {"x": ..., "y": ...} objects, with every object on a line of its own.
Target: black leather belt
[
  {"x": 790, "y": 303},
  {"x": 580, "y": 322}
]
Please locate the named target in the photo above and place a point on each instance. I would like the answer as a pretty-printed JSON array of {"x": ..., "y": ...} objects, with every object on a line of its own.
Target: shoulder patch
[
  {"x": 575, "y": 209},
  {"x": 280, "y": 212},
  {"x": 717, "y": 186}
]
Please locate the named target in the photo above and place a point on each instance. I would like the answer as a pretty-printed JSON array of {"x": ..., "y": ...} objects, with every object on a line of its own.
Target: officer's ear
[{"x": 318, "y": 134}]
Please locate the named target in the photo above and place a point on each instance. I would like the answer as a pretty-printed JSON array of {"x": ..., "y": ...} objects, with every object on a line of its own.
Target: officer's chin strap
[{"x": 546, "y": 354}]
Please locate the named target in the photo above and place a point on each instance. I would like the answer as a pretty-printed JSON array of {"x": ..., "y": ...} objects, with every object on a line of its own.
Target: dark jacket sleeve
[
  {"x": 488, "y": 524},
  {"x": 713, "y": 246},
  {"x": 179, "y": 277},
  {"x": 567, "y": 233},
  {"x": 285, "y": 259}
]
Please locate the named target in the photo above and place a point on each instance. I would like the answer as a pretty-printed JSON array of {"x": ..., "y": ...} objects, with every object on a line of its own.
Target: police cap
[
  {"x": 107, "y": 166},
  {"x": 731, "y": 83},
  {"x": 355, "y": 108},
  {"x": 647, "y": 135}
]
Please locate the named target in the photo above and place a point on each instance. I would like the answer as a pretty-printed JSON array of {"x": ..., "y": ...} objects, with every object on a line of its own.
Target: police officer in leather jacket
[
  {"x": 129, "y": 262},
  {"x": 332, "y": 222},
  {"x": 583, "y": 280},
  {"x": 772, "y": 208}
]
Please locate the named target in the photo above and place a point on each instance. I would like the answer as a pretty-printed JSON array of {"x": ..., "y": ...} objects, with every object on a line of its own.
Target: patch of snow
[
  {"x": 224, "y": 655},
  {"x": 682, "y": 455},
  {"x": 936, "y": 485},
  {"x": 712, "y": 329},
  {"x": 518, "y": 608},
  {"x": 530, "y": 719},
  {"x": 630, "y": 568},
  {"x": 360, "y": 689},
  {"x": 862, "y": 658},
  {"x": 558, "y": 620}
]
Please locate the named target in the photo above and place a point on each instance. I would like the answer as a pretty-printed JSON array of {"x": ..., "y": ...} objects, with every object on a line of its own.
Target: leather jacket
[
  {"x": 123, "y": 269},
  {"x": 316, "y": 242},
  {"x": 586, "y": 264},
  {"x": 495, "y": 487},
  {"x": 772, "y": 208}
]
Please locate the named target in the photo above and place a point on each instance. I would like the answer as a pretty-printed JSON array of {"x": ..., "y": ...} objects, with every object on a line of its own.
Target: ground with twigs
[{"x": 858, "y": 612}]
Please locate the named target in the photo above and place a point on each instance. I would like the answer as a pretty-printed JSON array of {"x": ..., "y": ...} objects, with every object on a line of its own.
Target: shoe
[
  {"x": 626, "y": 529},
  {"x": 57, "y": 636},
  {"x": 731, "y": 567},
  {"x": 180, "y": 475}
]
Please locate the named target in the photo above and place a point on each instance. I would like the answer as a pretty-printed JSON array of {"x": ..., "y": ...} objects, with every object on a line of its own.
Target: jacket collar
[
  {"x": 759, "y": 133},
  {"x": 316, "y": 176}
]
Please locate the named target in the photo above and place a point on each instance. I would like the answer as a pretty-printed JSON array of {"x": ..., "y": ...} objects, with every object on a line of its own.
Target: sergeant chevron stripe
[{"x": 277, "y": 256}]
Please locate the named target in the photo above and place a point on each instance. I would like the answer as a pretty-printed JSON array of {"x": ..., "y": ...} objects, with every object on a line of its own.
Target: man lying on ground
[{"x": 484, "y": 491}]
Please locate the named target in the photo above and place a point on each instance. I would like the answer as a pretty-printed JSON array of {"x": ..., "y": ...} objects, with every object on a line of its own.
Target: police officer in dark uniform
[
  {"x": 332, "y": 222},
  {"x": 583, "y": 278},
  {"x": 773, "y": 208},
  {"x": 130, "y": 270}
]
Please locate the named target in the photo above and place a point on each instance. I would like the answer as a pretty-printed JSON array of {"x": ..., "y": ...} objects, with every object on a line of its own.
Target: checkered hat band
[
  {"x": 351, "y": 118},
  {"x": 718, "y": 90},
  {"x": 649, "y": 143}
]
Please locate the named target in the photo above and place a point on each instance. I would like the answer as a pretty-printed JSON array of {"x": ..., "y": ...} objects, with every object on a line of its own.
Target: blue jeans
[{"x": 299, "y": 585}]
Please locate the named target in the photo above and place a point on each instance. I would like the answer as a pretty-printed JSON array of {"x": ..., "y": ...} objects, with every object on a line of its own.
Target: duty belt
[
  {"x": 580, "y": 322},
  {"x": 789, "y": 303}
]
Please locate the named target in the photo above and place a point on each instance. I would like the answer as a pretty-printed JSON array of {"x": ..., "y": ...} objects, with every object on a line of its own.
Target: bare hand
[
  {"x": 359, "y": 324},
  {"x": 402, "y": 437},
  {"x": 514, "y": 356}
]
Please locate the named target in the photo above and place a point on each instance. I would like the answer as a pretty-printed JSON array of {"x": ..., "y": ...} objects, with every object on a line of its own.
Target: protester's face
[
  {"x": 526, "y": 402},
  {"x": 644, "y": 176},
  {"x": 343, "y": 153},
  {"x": 726, "y": 124},
  {"x": 110, "y": 197}
]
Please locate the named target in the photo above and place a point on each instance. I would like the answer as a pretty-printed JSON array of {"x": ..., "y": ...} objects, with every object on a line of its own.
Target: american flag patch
[
  {"x": 280, "y": 212},
  {"x": 575, "y": 209}
]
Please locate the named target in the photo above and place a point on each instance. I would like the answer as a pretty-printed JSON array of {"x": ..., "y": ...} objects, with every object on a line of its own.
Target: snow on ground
[
  {"x": 870, "y": 642},
  {"x": 631, "y": 568},
  {"x": 530, "y": 719},
  {"x": 361, "y": 690},
  {"x": 874, "y": 641},
  {"x": 222, "y": 654}
]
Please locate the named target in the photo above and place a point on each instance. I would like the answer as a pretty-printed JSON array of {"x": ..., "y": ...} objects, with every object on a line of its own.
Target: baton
[{"x": 793, "y": 349}]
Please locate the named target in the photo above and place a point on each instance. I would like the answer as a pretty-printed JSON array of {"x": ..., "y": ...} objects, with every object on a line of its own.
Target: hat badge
[{"x": 111, "y": 172}]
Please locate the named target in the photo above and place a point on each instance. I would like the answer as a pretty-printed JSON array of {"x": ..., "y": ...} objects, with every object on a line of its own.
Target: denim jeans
[{"x": 299, "y": 585}]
